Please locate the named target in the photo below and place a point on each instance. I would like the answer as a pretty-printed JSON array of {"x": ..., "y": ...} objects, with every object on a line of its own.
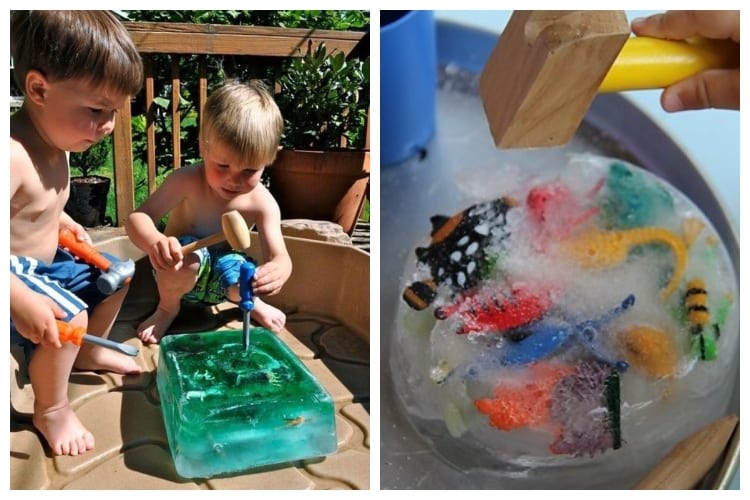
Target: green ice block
[{"x": 228, "y": 410}]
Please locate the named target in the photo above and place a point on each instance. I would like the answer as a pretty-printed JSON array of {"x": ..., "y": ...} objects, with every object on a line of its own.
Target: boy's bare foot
[
  {"x": 96, "y": 358},
  {"x": 64, "y": 433},
  {"x": 268, "y": 316},
  {"x": 155, "y": 326}
]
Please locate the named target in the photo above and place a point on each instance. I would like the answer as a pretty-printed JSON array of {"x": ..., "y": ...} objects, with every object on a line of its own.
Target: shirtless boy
[
  {"x": 240, "y": 135},
  {"x": 76, "y": 69}
]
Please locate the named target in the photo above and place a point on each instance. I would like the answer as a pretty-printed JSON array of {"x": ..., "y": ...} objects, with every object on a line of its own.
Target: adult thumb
[{"x": 716, "y": 88}]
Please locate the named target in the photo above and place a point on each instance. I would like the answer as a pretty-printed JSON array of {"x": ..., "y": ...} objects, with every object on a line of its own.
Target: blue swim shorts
[
  {"x": 219, "y": 269},
  {"x": 70, "y": 283}
]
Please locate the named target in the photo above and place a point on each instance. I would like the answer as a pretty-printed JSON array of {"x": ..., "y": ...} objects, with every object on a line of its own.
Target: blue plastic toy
[{"x": 544, "y": 339}]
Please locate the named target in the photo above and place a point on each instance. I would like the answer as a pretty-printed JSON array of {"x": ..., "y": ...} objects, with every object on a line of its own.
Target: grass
[{"x": 365, "y": 215}]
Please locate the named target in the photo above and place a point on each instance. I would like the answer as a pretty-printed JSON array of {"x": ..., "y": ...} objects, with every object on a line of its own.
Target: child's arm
[
  {"x": 163, "y": 252},
  {"x": 34, "y": 314},
  {"x": 277, "y": 266}
]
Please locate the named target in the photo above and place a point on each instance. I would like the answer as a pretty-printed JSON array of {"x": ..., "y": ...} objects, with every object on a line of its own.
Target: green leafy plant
[
  {"x": 323, "y": 98},
  {"x": 221, "y": 68},
  {"x": 95, "y": 159}
]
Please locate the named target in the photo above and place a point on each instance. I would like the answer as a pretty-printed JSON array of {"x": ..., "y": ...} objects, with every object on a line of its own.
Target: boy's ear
[{"x": 36, "y": 86}]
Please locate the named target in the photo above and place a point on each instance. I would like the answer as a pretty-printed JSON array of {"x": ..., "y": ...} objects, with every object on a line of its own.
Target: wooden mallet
[
  {"x": 233, "y": 229},
  {"x": 691, "y": 459},
  {"x": 548, "y": 66}
]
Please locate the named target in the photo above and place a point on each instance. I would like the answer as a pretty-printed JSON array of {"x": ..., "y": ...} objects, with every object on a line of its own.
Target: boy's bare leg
[
  {"x": 172, "y": 285},
  {"x": 263, "y": 313},
  {"x": 49, "y": 370},
  {"x": 94, "y": 357}
]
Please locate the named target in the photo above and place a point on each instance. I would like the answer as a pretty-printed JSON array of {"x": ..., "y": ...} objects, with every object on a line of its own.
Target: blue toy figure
[{"x": 544, "y": 339}]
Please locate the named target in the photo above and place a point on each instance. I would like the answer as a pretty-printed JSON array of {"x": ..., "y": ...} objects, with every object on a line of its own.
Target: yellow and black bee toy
[
  {"x": 703, "y": 334},
  {"x": 457, "y": 254}
]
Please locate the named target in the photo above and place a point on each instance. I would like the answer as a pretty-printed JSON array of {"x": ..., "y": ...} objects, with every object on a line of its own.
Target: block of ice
[
  {"x": 228, "y": 410},
  {"x": 569, "y": 332}
]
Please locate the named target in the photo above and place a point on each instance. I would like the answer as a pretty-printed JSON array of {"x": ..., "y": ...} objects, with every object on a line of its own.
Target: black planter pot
[{"x": 87, "y": 204}]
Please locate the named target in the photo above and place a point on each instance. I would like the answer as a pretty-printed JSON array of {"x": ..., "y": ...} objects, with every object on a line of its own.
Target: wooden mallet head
[
  {"x": 545, "y": 71},
  {"x": 233, "y": 229}
]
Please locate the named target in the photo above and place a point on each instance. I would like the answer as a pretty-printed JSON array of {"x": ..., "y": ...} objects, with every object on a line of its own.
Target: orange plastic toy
[{"x": 527, "y": 404}]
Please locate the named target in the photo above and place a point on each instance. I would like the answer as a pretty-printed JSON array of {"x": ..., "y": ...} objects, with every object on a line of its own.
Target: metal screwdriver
[{"x": 247, "y": 271}]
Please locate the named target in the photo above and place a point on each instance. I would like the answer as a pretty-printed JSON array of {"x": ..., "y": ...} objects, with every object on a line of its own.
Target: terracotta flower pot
[{"x": 321, "y": 185}]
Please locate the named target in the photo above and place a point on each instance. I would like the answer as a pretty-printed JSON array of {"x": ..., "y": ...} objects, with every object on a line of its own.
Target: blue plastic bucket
[{"x": 408, "y": 83}]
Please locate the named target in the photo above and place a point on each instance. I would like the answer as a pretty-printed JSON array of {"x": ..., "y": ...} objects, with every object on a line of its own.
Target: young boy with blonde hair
[
  {"x": 76, "y": 69},
  {"x": 240, "y": 132}
]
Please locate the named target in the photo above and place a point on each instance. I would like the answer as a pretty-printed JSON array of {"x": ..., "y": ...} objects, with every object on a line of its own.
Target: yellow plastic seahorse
[{"x": 597, "y": 248}]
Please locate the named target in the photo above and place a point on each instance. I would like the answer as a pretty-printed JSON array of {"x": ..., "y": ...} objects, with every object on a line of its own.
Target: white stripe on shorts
[{"x": 25, "y": 267}]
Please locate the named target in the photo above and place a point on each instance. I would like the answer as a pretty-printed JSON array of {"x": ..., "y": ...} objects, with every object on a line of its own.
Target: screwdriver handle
[
  {"x": 247, "y": 271},
  {"x": 70, "y": 333},
  {"x": 83, "y": 250}
]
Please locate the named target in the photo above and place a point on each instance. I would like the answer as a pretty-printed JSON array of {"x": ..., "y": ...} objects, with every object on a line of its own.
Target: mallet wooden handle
[
  {"x": 234, "y": 230},
  {"x": 203, "y": 242},
  {"x": 691, "y": 459},
  {"x": 651, "y": 63}
]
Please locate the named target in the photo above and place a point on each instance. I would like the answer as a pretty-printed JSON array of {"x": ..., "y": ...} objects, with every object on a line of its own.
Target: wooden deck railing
[{"x": 176, "y": 39}]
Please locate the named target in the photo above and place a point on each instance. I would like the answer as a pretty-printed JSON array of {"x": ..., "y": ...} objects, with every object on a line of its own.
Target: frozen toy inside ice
[{"x": 583, "y": 319}]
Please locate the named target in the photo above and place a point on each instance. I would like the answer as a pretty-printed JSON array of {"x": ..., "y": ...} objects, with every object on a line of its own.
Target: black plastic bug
[{"x": 457, "y": 252}]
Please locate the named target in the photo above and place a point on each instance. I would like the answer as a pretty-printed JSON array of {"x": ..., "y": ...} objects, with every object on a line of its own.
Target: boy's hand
[
  {"x": 34, "y": 316},
  {"x": 78, "y": 230},
  {"x": 166, "y": 254},
  {"x": 269, "y": 278}
]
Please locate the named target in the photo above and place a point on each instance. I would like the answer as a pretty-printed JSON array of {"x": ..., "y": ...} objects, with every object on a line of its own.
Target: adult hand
[{"x": 715, "y": 88}]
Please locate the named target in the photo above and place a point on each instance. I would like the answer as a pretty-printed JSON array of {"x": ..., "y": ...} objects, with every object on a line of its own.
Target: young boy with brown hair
[
  {"x": 240, "y": 132},
  {"x": 76, "y": 68}
]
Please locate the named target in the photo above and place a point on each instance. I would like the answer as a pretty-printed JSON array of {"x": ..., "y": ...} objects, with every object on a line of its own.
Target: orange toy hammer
[
  {"x": 76, "y": 335},
  {"x": 114, "y": 274}
]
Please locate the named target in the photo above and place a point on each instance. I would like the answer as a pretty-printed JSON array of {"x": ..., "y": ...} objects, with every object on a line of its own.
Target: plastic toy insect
[
  {"x": 457, "y": 253},
  {"x": 633, "y": 199},
  {"x": 579, "y": 405},
  {"x": 490, "y": 311},
  {"x": 703, "y": 334},
  {"x": 650, "y": 350},
  {"x": 556, "y": 211},
  {"x": 527, "y": 403},
  {"x": 596, "y": 248},
  {"x": 543, "y": 339}
]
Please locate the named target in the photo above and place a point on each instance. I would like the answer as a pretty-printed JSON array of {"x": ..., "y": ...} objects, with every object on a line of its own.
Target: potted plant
[
  {"x": 322, "y": 171},
  {"x": 87, "y": 203}
]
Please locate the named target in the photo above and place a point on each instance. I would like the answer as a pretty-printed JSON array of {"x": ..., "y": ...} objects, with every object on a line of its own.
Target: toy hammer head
[
  {"x": 117, "y": 274},
  {"x": 114, "y": 273},
  {"x": 549, "y": 65}
]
